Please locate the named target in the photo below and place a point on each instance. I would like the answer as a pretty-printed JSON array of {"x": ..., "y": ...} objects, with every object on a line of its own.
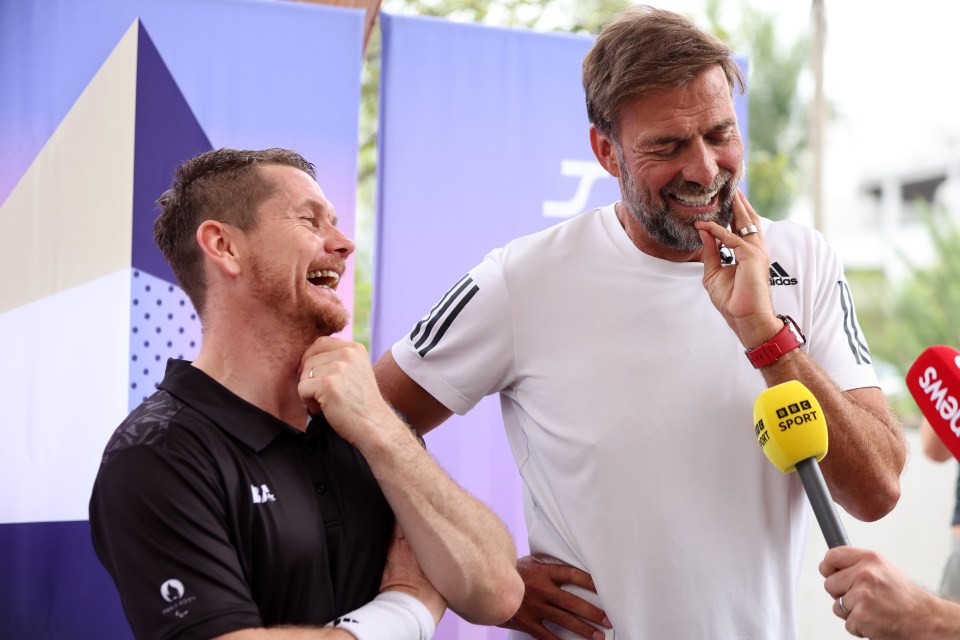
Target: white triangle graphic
[{"x": 69, "y": 220}]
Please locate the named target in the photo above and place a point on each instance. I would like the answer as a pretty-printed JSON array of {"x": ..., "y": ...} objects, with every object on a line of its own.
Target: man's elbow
[
  {"x": 877, "y": 497},
  {"x": 880, "y": 501},
  {"x": 501, "y": 602},
  {"x": 510, "y": 597}
]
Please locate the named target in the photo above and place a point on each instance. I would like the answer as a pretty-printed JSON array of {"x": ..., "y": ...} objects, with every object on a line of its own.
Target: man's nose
[
  {"x": 337, "y": 242},
  {"x": 701, "y": 164}
]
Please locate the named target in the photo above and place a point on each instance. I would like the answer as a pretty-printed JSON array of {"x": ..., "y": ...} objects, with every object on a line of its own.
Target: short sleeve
[
  {"x": 165, "y": 543},
  {"x": 463, "y": 348},
  {"x": 837, "y": 342}
]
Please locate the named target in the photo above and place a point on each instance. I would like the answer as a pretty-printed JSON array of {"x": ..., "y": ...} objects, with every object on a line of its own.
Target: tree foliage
[{"x": 926, "y": 304}]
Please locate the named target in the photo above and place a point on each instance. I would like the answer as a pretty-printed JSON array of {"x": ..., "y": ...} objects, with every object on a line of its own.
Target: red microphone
[{"x": 934, "y": 383}]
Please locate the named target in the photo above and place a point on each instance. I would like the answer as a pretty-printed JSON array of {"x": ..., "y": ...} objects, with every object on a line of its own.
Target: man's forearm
[
  {"x": 461, "y": 545},
  {"x": 867, "y": 449}
]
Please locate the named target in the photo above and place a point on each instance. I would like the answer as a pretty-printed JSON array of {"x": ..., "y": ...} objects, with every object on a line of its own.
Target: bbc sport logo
[{"x": 796, "y": 407}]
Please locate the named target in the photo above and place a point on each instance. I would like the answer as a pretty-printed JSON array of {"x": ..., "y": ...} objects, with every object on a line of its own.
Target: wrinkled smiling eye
[{"x": 326, "y": 278}]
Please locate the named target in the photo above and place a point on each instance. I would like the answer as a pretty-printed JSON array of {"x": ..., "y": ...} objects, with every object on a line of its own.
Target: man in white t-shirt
[{"x": 627, "y": 346}]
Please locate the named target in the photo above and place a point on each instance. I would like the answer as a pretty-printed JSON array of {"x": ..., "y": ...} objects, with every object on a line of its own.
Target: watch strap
[{"x": 787, "y": 339}]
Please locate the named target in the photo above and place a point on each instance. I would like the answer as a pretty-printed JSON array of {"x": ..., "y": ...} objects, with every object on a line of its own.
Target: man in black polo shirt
[{"x": 255, "y": 493}]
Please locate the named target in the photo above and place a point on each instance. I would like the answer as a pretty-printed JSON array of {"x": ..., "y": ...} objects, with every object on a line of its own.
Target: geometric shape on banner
[
  {"x": 163, "y": 322},
  {"x": 73, "y": 202},
  {"x": 64, "y": 369},
  {"x": 49, "y": 52},
  {"x": 167, "y": 133},
  {"x": 163, "y": 325}
]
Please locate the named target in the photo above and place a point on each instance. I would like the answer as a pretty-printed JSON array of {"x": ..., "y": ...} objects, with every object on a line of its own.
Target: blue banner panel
[
  {"x": 53, "y": 585},
  {"x": 476, "y": 126},
  {"x": 483, "y": 137}
]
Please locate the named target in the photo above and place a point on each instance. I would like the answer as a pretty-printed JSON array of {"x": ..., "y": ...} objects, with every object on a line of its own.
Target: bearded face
[
  {"x": 661, "y": 223},
  {"x": 309, "y": 304},
  {"x": 295, "y": 257}
]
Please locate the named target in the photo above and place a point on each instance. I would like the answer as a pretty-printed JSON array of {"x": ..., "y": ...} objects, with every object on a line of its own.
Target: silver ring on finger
[
  {"x": 842, "y": 608},
  {"x": 747, "y": 230}
]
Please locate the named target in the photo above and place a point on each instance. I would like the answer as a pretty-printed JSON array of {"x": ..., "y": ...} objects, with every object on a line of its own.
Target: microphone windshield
[
  {"x": 790, "y": 425},
  {"x": 934, "y": 383}
]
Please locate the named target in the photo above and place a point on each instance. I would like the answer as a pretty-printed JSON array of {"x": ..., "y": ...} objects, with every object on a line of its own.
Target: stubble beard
[
  {"x": 331, "y": 319},
  {"x": 661, "y": 224},
  {"x": 304, "y": 316}
]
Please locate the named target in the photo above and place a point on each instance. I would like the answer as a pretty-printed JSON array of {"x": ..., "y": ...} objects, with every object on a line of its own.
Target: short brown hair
[
  {"x": 641, "y": 50},
  {"x": 217, "y": 185}
]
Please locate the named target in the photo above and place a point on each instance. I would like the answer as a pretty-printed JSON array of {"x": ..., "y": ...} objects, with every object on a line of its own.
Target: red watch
[{"x": 786, "y": 340}]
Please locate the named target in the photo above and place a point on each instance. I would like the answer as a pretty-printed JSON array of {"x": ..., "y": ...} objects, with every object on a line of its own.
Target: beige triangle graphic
[{"x": 69, "y": 220}]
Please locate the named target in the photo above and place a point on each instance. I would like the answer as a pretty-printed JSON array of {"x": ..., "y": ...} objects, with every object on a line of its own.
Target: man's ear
[
  {"x": 605, "y": 151},
  {"x": 218, "y": 241}
]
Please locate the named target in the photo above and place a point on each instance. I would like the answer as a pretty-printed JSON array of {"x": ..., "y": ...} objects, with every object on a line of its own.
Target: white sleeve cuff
[{"x": 392, "y": 615}]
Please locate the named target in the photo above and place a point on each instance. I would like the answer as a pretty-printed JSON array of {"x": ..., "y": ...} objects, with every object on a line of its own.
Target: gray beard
[{"x": 658, "y": 221}]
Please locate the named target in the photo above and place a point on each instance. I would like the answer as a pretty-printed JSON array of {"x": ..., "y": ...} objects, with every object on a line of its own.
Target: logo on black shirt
[
  {"x": 262, "y": 494},
  {"x": 171, "y": 590}
]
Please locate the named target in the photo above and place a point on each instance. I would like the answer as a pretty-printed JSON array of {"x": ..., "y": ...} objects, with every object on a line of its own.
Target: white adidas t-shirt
[{"x": 628, "y": 403}]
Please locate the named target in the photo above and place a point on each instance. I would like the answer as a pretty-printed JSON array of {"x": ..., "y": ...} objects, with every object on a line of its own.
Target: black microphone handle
[{"x": 822, "y": 503}]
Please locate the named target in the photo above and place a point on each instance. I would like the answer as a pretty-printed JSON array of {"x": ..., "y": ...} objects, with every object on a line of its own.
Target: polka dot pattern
[{"x": 163, "y": 325}]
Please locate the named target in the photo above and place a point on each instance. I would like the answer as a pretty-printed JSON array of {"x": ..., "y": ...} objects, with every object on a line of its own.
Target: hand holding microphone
[
  {"x": 881, "y": 600},
  {"x": 792, "y": 432}
]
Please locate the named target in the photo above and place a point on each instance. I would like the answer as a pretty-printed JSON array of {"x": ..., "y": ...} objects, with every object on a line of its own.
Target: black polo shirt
[{"x": 212, "y": 515}]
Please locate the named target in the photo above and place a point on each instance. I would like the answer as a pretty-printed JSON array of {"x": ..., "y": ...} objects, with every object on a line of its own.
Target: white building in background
[
  {"x": 873, "y": 204},
  {"x": 895, "y": 199}
]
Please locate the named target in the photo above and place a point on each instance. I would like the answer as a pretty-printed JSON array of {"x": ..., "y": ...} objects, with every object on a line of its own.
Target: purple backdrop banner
[{"x": 483, "y": 137}]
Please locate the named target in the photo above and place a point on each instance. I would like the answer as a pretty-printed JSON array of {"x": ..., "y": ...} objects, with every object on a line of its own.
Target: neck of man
[{"x": 258, "y": 361}]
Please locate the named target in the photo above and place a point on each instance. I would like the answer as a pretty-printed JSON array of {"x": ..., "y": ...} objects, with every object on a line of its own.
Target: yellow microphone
[{"x": 792, "y": 432}]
